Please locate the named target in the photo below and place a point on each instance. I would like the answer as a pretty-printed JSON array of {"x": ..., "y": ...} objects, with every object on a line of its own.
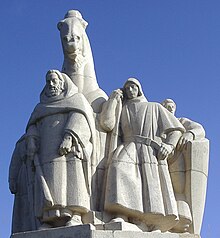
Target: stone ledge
[{"x": 87, "y": 231}]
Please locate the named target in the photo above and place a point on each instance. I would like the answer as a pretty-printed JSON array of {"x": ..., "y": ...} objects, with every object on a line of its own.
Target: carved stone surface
[
  {"x": 89, "y": 166},
  {"x": 196, "y": 180},
  {"x": 61, "y": 151},
  {"x": 138, "y": 185},
  {"x": 189, "y": 171},
  {"x": 87, "y": 231},
  {"x": 79, "y": 66},
  {"x": 78, "y": 60},
  {"x": 21, "y": 179}
]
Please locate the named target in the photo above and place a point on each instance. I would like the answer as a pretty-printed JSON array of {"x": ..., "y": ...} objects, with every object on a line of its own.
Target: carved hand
[
  {"x": 164, "y": 151},
  {"x": 66, "y": 145},
  {"x": 184, "y": 139},
  {"x": 117, "y": 94},
  {"x": 70, "y": 144},
  {"x": 76, "y": 150}
]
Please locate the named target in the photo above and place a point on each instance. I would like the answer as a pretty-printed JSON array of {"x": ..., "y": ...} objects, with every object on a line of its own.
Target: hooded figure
[
  {"x": 60, "y": 139},
  {"x": 138, "y": 184},
  {"x": 21, "y": 185}
]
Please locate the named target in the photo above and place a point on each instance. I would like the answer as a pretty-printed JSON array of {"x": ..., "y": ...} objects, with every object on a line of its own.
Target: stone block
[
  {"x": 123, "y": 226},
  {"x": 87, "y": 231},
  {"x": 81, "y": 231}
]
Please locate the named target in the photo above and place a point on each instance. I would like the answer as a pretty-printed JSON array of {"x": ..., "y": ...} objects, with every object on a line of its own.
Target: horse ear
[
  {"x": 84, "y": 23},
  {"x": 59, "y": 25}
]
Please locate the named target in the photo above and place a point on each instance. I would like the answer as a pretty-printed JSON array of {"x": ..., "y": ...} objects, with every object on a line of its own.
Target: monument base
[{"x": 88, "y": 231}]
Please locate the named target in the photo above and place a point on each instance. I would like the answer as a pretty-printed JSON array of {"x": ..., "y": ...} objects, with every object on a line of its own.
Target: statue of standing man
[
  {"x": 180, "y": 167},
  {"x": 60, "y": 140},
  {"x": 138, "y": 185}
]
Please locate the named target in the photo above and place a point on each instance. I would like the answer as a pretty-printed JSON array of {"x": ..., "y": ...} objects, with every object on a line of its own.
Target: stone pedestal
[{"x": 88, "y": 231}]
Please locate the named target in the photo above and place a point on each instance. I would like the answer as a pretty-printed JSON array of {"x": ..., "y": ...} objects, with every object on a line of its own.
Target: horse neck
[{"x": 84, "y": 77}]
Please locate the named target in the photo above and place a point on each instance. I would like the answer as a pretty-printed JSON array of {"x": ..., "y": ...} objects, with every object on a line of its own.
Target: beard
[{"x": 53, "y": 91}]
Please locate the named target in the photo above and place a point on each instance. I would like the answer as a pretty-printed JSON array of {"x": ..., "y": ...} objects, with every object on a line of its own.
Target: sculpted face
[
  {"x": 131, "y": 90},
  {"x": 54, "y": 86},
  {"x": 171, "y": 107},
  {"x": 71, "y": 32}
]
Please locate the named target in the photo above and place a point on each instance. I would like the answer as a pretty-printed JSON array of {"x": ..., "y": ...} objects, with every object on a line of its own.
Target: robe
[
  {"x": 138, "y": 184},
  {"x": 62, "y": 183},
  {"x": 21, "y": 173},
  {"x": 177, "y": 168}
]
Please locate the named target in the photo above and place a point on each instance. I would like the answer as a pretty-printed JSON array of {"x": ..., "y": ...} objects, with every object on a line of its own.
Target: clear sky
[{"x": 172, "y": 47}]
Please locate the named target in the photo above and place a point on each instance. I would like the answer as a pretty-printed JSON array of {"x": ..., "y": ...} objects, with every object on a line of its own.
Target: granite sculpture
[
  {"x": 121, "y": 163},
  {"x": 61, "y": 138},
  {"x": 21, "y": 182},
  {"x": 79, "y": 66},
  {"x": 139, "y": 162},
  {"x": 78, "y": 60},
  {"x": 179, "y": 167}
]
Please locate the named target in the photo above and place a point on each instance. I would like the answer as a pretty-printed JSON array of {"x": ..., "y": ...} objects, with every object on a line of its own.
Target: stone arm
[
  {"x": 167, "y": 148},
  {"x": 193, "y": 127},
  {"x": 194, "y": 131},
  {"x": 32, "y": 141},
  {"x": 77, "y": 135},
  {"x": 170, "y": 131},
  {"x": 108, "y": 114}
]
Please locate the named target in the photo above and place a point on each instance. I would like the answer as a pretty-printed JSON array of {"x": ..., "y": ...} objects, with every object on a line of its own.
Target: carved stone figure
[
  {"x": 60, "y": 141},
  {"x": 138, "y": 183},
  {"x": 79, "y": 66},
  {"x": 178, "y": 171},
  {"x": 21, "y": 179},
  {"x": 78, "y": 60},
  {"x": 121, "y": 163}
]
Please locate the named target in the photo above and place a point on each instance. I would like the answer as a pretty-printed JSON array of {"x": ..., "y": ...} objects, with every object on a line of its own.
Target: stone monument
[
  {"x": 93, "y": 166},
  {"x": 189, "y": 170}
]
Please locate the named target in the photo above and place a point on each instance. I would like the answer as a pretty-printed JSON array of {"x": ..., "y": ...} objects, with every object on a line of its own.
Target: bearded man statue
[{"x": 60, "y": 140}]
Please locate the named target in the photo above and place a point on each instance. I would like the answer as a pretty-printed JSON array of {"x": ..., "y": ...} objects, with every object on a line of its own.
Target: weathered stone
[
  {"x": 148, "y": 177},
  {"x": 61, "y": 150},
  {"x": 138, "y": 183},
  {"x": 87, "y": 231},
  {"x": 123, "y": 226},
  {"x": 78, "y": 60},
  {"x": 82, "y": 231},
  {"x": 79, "y": 66},
  {"x": 189, "y": 170}
]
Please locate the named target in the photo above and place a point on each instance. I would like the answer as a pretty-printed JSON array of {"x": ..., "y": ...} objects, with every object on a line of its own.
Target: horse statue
[
  {"x": 79, "y": 66},
  {"x": 78, "y": 60}
]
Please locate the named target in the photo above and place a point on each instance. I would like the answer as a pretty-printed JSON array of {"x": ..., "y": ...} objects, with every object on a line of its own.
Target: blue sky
[{"x": 172, "y": 47}]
